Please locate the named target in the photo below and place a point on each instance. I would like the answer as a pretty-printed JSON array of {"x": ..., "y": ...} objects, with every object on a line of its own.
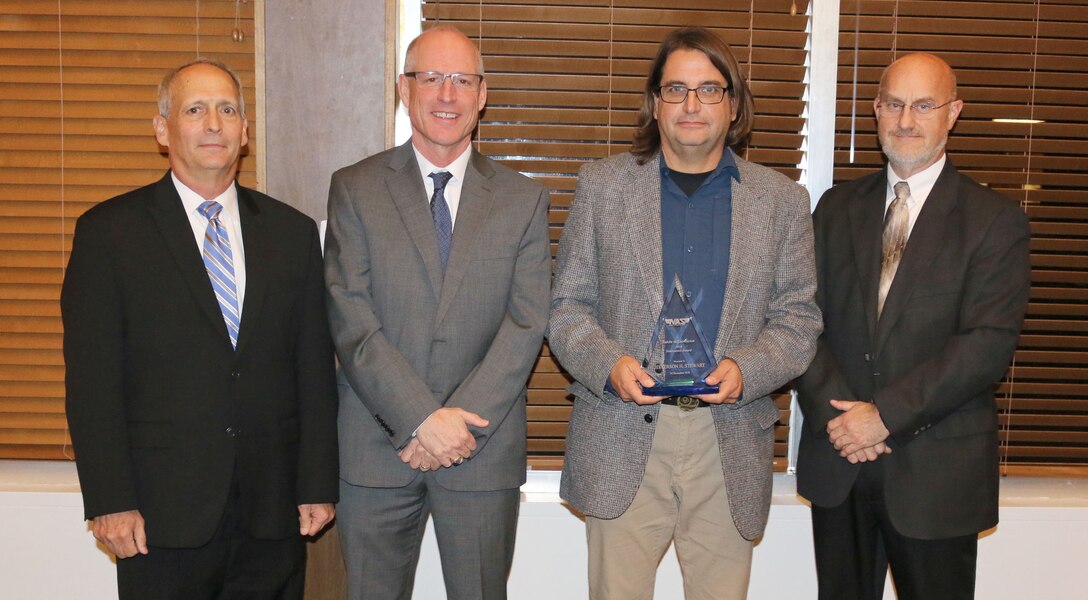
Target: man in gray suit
[
  {"x": 694, "y": 470},
  {"x": 437, "y": 315}
]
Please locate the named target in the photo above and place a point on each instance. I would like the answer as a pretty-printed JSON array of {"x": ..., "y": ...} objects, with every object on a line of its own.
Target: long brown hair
[{"x": 647, "y": 139}]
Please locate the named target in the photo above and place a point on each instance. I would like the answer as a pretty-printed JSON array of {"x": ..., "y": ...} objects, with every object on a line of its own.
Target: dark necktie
[
  {"x": 219, "y": 261},
  {"x": 896, "y": 225},
  {"x": 440, "y": 212}
]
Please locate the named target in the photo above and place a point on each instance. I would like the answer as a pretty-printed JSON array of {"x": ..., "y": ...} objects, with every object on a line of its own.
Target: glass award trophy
[{"x": 684, "y": 353}]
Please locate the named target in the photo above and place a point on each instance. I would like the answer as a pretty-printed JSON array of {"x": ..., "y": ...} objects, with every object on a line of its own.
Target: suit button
[
  {"x": 868, "y": 357},
  {"x": 233, "y": 431},
  {"x": 235, "y": 374},
  {"x": 648, "y": 418}
]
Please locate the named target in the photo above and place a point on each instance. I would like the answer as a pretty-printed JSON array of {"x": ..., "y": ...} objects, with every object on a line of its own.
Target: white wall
[{"x": 1037, "y": 552}]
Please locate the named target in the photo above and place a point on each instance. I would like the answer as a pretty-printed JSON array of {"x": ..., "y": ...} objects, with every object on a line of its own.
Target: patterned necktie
[
  {"x": 896, "y": 225},
  {"x": 219, "y": 261},
  {"x": 440, "y": 212}
]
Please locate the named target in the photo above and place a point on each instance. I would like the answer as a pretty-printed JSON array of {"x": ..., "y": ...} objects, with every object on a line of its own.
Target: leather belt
[{"x": 684, "y": 402}]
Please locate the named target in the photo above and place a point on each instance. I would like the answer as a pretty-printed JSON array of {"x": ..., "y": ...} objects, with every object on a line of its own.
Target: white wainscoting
[{"x": 1037, "y": 552}]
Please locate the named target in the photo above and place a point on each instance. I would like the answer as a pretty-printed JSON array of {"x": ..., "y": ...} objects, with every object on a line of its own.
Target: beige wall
[
  {"x": 325, "y": 93},
  {"x": 325, "y": 107}
]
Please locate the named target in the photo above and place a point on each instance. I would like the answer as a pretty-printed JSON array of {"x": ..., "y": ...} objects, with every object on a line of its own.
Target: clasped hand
[
  {"x": 858, "y": 433},
  {"x": 443, "y": 440}
]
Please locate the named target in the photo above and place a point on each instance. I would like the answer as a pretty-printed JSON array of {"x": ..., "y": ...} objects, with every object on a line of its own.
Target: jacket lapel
[
  {"x": 472, "y": 212},
  {"x": 410, "y": 197},
  {"x": 172, "y": 222},
  {"x": 928, "y": 235},
  {"x": 747, "y": 232},
  {"x": 639, "y": 191},
  {"x": 256, "y": 244},
  {"x": 867, "y": 227}
]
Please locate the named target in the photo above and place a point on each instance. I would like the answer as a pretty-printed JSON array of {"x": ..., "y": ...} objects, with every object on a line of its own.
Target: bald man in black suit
[
  {"x": 923, "y": 283},
  {"x": 201, "y": 393}
]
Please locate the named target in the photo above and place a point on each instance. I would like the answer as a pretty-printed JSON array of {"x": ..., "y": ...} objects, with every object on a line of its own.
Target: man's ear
[
  {"x": 403, "y": 89},
  {"x": 158, "y": 123},
  {"x": 954, "y": 109}
]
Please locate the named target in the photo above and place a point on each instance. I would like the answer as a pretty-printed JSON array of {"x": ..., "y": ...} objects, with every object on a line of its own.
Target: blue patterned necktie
[
  {"x": 219, "y": 261},
  {"x": 440, "y": 212}
]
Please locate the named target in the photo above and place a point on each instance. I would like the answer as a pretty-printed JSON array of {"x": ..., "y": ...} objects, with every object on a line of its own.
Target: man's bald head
[
  {"x": 915, "y": 108},
  {"x": 923, "y": 64},
  {"x": 448, "y": 34}
]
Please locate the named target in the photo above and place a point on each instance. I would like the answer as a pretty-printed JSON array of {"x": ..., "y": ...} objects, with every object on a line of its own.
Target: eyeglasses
[
  {"x": 922, "y": 110},
  {"x": 677, "y": 93},
  {"x": 433, "y": 79}
]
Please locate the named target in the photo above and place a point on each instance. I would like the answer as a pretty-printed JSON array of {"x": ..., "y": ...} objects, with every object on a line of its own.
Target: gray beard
[{"x": 905, "y": 164}]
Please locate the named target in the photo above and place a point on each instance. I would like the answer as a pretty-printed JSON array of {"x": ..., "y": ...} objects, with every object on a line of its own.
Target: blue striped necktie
[
  {"x": 440, "y": 212},
  {"x": 219, "y": 261}
]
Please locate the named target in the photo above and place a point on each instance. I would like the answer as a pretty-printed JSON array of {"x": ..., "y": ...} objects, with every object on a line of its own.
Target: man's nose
[
  {"x": 213, "y": 122},
  {"x": 446, "y": 91},
  {"x": 691, "y": 102},
  {"x": 906, "y": 117}
]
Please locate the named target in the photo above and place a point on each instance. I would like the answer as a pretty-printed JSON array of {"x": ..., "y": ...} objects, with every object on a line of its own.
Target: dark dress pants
[
  {"x": 231, "y": 566},
  {"x": 855, "y": 544}
]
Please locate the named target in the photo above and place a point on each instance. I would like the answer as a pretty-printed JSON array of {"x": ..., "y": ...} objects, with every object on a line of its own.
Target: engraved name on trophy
[{"x": 685, "y": 354}]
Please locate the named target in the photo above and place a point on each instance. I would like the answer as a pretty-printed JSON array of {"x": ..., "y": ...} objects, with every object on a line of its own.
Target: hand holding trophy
[{"x": 684, "y": 354}]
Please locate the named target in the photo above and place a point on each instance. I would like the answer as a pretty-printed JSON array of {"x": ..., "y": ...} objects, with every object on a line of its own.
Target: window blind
[{"x": 77, "y": 94}]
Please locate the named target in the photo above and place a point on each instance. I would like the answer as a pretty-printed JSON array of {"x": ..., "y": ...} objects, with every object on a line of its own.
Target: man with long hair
[{"x": 648, "y": 470}]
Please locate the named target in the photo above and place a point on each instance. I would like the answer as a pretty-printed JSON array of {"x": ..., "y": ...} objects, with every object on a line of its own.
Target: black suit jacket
[
  {"x": 950, "y": 325},
  {"x": 164, "y": 415}
]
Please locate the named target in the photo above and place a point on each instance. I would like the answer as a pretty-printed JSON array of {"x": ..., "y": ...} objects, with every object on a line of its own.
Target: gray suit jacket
[
  {"x": 410, "y": 342},
  {"x": 608, "y": 295}
]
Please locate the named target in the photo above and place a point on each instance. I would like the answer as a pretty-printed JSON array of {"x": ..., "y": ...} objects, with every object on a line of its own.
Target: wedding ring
[
  {"x": 460, "y": 459},
  {"x": 424, "y": 468}
]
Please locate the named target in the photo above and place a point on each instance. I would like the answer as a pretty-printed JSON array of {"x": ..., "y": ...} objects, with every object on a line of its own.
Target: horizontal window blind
[
  {"x": 565, "y": 82},
  {"x": 1014, "y": 60},
  {"x": 77, "y": 94}
]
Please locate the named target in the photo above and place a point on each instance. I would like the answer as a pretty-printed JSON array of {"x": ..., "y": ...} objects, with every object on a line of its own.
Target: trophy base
[{"x": 694, "y": 389}]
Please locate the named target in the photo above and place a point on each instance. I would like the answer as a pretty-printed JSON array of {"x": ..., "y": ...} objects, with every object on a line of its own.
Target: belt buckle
[{"x": 687, "y": 403}]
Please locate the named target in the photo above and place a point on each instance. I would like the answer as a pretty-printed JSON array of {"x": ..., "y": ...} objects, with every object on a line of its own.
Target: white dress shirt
[
  {"x": 921, "y": 184},
  {"x": 230, "y": 220},
  {"x": 452, "y": 193}
]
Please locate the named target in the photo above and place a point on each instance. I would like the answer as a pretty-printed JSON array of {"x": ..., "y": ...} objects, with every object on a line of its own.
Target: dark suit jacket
[
  {"x": 411, "y": 341},
  {"x": 164, "y": 414},
  {"x": 950, "y": 325}
]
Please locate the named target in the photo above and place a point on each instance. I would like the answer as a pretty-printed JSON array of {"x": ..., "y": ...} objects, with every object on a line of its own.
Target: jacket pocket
[{"x": 766, "y": 414}]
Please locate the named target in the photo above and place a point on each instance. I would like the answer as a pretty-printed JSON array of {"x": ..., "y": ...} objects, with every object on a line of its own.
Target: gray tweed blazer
[{"x": 606, "y": 299}]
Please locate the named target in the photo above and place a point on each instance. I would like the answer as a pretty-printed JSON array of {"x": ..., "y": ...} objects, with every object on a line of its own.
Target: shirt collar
[
  {"x": 727, "y": 165},
  {"x": 921, "y": 183},
  {"x": 192, "y": 200},
  {"x": 456, "y": 168}
]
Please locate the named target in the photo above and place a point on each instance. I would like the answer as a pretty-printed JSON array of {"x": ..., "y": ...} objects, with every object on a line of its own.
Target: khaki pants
[{"x": 682, "y": 499}]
